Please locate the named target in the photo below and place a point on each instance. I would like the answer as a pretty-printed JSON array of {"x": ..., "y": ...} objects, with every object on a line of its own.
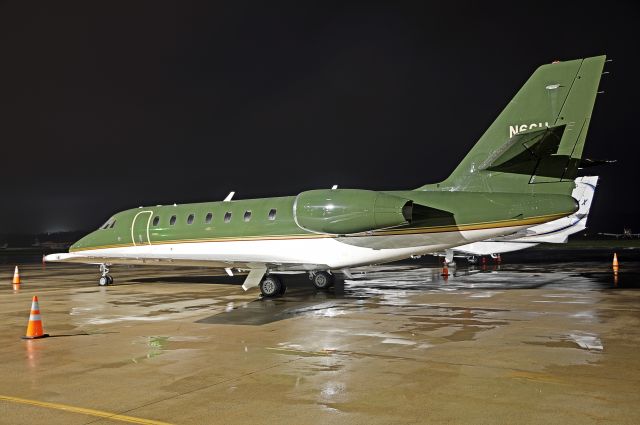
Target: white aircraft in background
[
  {"x": 626, "y": 235},
  {"x": 556, "y": 231}
]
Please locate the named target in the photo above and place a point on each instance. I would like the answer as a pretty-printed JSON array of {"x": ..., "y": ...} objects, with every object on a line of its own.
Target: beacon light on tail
[{"x": 520, "y": 173}]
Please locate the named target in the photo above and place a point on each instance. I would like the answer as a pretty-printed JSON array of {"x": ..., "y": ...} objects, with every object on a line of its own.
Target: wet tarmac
[{"x": 527, "y": 343}]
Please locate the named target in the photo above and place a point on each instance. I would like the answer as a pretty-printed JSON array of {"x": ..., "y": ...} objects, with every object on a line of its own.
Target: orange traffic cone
[
  {"x": 16, "y": 279},
  {"x": 34, "y": 329},
  {"x": 16, "y": 276},
  {"x": 445, "y": 271},
  {"x": 615, "y": 260}
]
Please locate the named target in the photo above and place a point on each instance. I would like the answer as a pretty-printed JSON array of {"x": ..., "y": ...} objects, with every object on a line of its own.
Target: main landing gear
[
  {"x": 272, "y": 285},
  {"x": 321, "y": 280},
  {"x": 105, "y": 278}
]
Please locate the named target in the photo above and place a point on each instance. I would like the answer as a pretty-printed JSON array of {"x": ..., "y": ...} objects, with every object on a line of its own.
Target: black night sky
[{"x": 111, "y": 105}]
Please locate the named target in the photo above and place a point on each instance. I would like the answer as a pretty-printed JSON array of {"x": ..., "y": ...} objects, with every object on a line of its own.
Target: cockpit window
[
  {"x": 112, "y": 224},
  {"x": 109, "y": 224}
]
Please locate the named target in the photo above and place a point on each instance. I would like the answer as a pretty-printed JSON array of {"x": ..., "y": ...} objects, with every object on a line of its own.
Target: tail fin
[{"x": 535, "y": 144}]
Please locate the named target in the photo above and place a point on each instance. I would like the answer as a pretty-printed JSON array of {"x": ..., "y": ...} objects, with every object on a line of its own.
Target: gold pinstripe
[{"x": 389, "y": 232}]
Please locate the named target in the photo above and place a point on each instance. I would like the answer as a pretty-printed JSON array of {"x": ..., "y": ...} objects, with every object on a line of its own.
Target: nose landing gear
[{"x": 105, "y": 278}]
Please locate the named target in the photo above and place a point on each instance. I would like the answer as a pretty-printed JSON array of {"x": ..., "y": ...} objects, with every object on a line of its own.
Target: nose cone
[{"x": 83, "y": 243}]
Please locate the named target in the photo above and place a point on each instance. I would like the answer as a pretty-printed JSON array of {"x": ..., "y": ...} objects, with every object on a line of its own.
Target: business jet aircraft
[{"x": 519, "y": 173}]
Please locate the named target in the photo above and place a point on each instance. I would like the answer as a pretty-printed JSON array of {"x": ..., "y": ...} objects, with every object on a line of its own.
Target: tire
[
  {"x": 270, "y": 287},
  {"x": 322, "y": 280},
  {"x": 103, "y": 281},
  {"x": 110, "y": 280}
]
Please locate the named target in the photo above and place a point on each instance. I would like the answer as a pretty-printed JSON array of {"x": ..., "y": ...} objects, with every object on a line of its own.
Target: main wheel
[
  {"x": 270, "y": 287},
  {"x": 104, "y": 280},
  {"x": 110, "y": 279},
  {"x": 322, "y": 280}
]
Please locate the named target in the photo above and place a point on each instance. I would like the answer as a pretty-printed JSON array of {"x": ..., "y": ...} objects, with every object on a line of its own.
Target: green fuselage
[{"x": 274, "y": 218}]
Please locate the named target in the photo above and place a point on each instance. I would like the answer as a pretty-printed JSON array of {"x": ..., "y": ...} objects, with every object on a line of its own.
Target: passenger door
[{"x": 140, "y": 228}]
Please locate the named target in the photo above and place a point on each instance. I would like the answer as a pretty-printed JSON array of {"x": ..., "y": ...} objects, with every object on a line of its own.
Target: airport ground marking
[{"x": 82, "y": 411}]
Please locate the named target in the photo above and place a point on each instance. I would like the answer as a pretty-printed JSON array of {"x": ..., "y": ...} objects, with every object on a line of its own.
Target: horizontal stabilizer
[{"x": 533, "y": 153}]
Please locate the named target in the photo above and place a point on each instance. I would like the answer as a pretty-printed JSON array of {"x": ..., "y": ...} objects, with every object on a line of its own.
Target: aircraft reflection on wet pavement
[{"x": 393, "y": 285}]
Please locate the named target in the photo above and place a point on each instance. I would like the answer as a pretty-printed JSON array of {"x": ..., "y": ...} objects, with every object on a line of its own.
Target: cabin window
[
  {"x": 208, "y": 218},
  {"x": 156, "y": 220},
  {"x": 172, "y": 220},
  {"x": 190, "y": 219},
  {"x": 272, "y": 214},
  {"x": 247, "y": 215},
  {"x": 227, "y": 217},
  {"x": 112, "y": 224}
]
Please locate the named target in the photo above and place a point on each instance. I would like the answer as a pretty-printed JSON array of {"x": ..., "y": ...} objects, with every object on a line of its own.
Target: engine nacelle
[{"x": 349, "y": 211}]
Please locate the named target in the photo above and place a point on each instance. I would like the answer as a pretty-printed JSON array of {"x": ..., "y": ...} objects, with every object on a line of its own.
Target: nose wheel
[{"x": 105, "y": 278}]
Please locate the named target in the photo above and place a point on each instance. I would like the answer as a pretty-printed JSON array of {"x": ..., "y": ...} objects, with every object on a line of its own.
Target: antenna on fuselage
[
  {"x": 229, "y": 196},
  {"x": 334, "y": 187}
]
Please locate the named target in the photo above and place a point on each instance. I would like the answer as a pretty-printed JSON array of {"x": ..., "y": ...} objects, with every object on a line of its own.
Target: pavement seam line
[
  {"x": 83, "y": 411},
  {"x": 235, "y": 378}
]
